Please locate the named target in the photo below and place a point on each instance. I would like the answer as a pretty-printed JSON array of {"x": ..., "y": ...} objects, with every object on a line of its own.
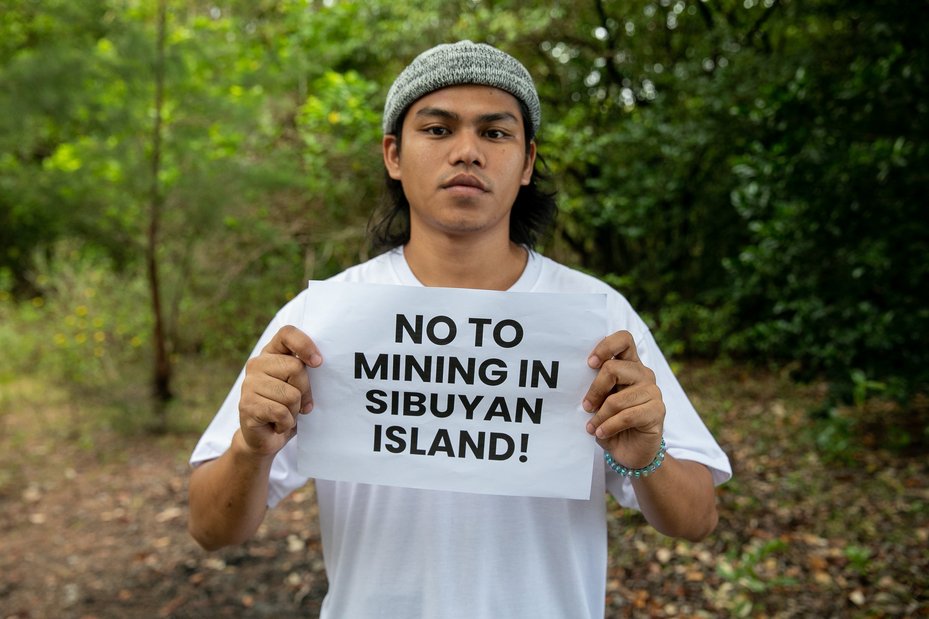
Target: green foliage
[
  {"x": 831, "y": 274},
  {"x": 859, "y": 558},
  {"x": 82, "y": 329},
  {"x": 749, "y": 571},
  {"x": 834, "y": 436}
]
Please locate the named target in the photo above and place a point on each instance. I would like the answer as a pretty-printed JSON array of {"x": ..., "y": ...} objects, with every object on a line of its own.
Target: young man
[{"x": 459, "y": 127}]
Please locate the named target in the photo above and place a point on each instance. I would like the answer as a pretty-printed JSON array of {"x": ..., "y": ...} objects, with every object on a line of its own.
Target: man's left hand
[{"x": 628, "y": 412}]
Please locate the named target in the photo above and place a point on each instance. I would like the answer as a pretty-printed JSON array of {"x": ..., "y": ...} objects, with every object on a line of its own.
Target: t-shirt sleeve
[
  {"x": 686, "y": 436},
  {"x": 217, "y": 438}
]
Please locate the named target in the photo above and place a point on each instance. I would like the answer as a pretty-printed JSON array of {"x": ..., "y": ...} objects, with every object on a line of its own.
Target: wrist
[
  {"x": 246, "y": 454},
  {"x": 637, "y": 473}
]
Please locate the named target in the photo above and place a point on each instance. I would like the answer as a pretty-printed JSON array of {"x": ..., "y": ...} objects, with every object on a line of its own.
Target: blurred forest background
[{"x": 747, "y": 172}]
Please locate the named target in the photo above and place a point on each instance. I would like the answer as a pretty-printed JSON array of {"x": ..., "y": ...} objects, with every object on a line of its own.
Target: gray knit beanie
[{"x": 453, "y": 64}]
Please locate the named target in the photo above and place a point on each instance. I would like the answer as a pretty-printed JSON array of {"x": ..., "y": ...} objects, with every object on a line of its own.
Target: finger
[
  {"x": 300, "y": 379},
  {"x": 279, "y": 391},
  {"x": 290, "y": 340},
  {"x": 630, "y": 398},
  {"x": 613, "y": 372},
  {"x": 285, "y": 369},
  {"x": 302, "y": 382},
  {"x": 619, "y": 345},
  {"x": 642, "y": 417},
  {"x": 262, "y": 412},
  {"x": 306, "y": 403},
  {"x": 279, "y": 366}
]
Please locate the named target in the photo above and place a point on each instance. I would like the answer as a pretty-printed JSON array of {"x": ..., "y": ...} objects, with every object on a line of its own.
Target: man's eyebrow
[
  {"x": 438, "y": 112},
  {"x": 482, "y": 119},
  {"x": 497, "y": 117}
]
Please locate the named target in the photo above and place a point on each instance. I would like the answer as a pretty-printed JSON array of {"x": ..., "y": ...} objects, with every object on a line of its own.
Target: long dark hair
[{"x": 531, "y": 217}]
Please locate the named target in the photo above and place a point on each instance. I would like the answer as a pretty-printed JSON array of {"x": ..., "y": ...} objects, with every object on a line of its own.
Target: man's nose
[{"x": 467, "y": 150}]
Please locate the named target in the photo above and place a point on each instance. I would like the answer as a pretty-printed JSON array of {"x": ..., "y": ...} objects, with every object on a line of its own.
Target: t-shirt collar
[{"x": 525, "y": 283}]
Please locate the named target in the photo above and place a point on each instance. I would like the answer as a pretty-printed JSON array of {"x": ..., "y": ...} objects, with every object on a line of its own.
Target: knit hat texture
[{"x": 454, "y": 64}]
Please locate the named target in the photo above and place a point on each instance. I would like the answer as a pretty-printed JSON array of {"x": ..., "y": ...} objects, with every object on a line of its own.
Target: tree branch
[{"x": 756, "y": 27}]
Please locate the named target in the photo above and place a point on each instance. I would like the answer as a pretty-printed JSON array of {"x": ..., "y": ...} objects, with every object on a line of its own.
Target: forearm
[
  {"x": 228, "y": 496},
  {"x": 678, "y": 499}
]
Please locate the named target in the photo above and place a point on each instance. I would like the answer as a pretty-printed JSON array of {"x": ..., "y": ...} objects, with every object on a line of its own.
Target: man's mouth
[{"x": 466, "y": 183}]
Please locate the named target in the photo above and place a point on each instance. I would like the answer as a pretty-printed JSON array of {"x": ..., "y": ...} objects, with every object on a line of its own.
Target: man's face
[{"x": 462, "y": 159}]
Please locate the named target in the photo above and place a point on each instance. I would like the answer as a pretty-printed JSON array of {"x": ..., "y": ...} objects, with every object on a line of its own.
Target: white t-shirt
[{"x": 405, "y": 553}]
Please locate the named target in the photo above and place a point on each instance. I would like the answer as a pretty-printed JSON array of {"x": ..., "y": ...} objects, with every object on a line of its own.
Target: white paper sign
[{"x": 451, "y": 389}]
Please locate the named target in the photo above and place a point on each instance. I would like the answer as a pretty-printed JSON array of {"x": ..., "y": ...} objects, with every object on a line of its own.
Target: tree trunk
[{"x": 162, "y": 370}]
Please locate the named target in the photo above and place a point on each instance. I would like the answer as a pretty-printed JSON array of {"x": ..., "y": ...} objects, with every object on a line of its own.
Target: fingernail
[
  {"x": 593, "y": 361},
  {"x": 590, "y": 428},
  {"x": 307, "y": 407},
  {"x": 315, "y": 360},
  {"x": 588, "y": 406}
]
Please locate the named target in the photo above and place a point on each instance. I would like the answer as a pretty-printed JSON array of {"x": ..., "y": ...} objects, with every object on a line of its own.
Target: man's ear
[
  {"x": 391, "y": 156},
  {"x": 529, "y": 164}
]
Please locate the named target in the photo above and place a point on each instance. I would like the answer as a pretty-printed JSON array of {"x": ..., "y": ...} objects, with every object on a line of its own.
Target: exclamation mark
[{"x": 523, "y": 446}]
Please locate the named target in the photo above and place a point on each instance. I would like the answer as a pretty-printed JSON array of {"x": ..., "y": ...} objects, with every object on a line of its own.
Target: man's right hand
[{"x": 276, "y": 388}]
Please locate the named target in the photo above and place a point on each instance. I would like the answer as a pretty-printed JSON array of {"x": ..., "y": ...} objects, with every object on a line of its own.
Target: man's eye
[
  {"x": 436, "y": 130},
  {"x": 495, "y": 134}
]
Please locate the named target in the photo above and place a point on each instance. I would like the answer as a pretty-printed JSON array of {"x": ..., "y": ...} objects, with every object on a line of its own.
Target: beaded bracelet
[{"x": 637, "y": 473}]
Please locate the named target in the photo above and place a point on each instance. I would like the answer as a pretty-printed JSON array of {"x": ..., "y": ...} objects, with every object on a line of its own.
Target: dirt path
[{"x": 109, "y": 541}]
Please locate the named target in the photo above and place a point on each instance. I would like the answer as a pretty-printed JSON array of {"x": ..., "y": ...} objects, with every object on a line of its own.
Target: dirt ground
[
  {"x": 93, "y": 525},
  {"x": 110, "y": 541}
]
